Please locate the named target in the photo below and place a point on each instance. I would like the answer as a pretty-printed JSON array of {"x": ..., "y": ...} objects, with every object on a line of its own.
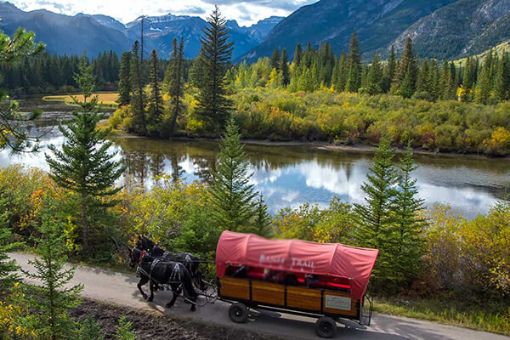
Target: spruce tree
[
  {"x": 502, "y": 78},
  {"x": 407, "y": 73},
  {"x": 124, "y": 80},
  {"x": 353, "y": 81},
  {"x": 176, "y": 85},
  {"x": 8, "y": 268},
  {"x": 90, "y": 330},
  {"x": 375, "y": 218},
  {"x": 485, "y": 84},
  {"x": 275, "y": 59},
  {"x": 284, "y": 65},
  {"x": 390, "y": 70},
  {"x": 13, "y": 125},
  {"x": 262, "y": 223},
  {"x": 232, "y": 195},
  {"x": 85, "y": 165},
  {"x": 213, "y": 105},
  {"x": 137, "y": 92},
  {"x": 409, "y": 244},
  {"x": 155, "y": 101},
  {"x": 375, "y": 76},
  {"x": 53, "y": 298},
  {"x": 298, "y": 54}
]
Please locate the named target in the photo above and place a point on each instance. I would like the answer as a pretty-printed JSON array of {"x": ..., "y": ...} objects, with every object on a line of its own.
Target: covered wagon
[{"x": 326, "y": 281}]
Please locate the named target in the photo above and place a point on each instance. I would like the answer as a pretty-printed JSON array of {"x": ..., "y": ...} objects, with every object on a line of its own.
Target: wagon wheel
[
  {"x": 325, "y": 327},
  {"x": 238, "y": 313}
]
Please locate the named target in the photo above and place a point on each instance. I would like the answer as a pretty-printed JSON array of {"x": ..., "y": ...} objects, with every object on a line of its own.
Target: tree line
[
  {"x": 481, "y": 79},
  {"x": 46, "y": 73}
]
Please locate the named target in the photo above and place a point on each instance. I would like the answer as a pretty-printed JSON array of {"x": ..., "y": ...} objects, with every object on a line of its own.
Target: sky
[{"x": 246, "y": 12}]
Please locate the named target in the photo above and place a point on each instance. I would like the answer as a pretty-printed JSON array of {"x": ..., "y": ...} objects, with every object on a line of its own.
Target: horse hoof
[
  {"x": 169, "y": 305},
  {"x": 150, "y": 299},
  {"x": 193, "y": 309},
  {"x": 145, "y": 297}
]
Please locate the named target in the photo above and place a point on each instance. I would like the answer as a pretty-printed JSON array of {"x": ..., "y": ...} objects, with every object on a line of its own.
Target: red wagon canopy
[{"x": 294, "y": 256}]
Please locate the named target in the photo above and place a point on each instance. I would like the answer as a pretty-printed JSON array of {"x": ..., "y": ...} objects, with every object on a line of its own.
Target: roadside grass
[
  {"x": 480, "y": 315},
  {"x": 105, "y": 99}
]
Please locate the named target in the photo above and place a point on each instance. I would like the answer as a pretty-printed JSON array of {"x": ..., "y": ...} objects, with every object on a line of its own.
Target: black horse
[
  {"x": 161, "y": 272},
  {"x": 191, "y": 262}
]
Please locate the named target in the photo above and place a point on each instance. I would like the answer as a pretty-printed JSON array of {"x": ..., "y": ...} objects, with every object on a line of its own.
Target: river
[{"x": 289, "y": 176}]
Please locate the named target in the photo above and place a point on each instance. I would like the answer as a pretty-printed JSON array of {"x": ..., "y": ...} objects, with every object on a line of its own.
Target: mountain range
[{"x": 439, "y": 28}]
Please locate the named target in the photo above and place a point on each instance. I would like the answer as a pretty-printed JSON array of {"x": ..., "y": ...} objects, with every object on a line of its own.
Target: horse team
[{"x": 180, "y": 271}]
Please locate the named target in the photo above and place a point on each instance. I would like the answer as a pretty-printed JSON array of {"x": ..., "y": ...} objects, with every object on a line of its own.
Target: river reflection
[{"x": 290, "y": 176}]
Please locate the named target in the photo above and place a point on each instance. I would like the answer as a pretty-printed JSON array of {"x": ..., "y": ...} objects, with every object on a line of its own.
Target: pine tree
[
  {"x": 408, "y": 246},
  {"x": 353, "y": 82},
  {"x": 90, "y": 330},
  {"x": 485, "y": 84},
  {"x": 213, "y": 105},
  {"x": 155, "y": 101},
  {"x": 407, "y": 73},
  {"x": 298, "y": 55},
  {"x": 375, "y": 76},
  {"x": 8, "y": 268},
  {"x": 137, "y": 93},
  {"x": 262, "y": 222},
  {"x": 275, "y": 59},
  {"x": 125, "y": 330},
  {"x": 125, "y": 81},
  {"x": 232, "y": 195},
  {"x": 375, "y": 218},
  {"x": 85, "y": 165},
  {"x": 13, "y": 131},
  {"x": 53, "y": 298},
  {"x": 390, "y": 70},
  {"x": 502, "y": 78},
  {"x": 176, "y": 86},
  {"x": 284, "y": 65}
]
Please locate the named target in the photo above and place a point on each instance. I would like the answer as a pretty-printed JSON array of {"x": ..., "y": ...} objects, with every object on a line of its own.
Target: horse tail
[{"x": 188, "y": 284}]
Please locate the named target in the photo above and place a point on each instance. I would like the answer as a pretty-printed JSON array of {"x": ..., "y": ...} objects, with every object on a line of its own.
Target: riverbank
[{"x": 324, "y": 146}]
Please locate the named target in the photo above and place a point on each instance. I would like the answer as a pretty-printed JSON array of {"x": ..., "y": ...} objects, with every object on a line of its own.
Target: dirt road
[{"x": 120, "y": 289}]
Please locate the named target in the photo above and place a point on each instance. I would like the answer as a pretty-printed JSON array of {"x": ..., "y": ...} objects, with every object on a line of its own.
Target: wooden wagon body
[{"x": 320, "y": 280}]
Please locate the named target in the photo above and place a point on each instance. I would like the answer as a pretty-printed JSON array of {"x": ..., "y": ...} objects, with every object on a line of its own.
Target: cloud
[{"x": 246, "y": 12}]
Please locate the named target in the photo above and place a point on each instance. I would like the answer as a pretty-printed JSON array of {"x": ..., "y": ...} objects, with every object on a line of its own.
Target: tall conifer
[
  {"x": 124, "y": 80},
  {"x": 353, "y": 81}
]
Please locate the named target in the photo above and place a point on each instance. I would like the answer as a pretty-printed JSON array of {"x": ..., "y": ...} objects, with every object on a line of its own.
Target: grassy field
[
  {"x": 490, "y": 318},
  {"x": 104, "y": 98}
]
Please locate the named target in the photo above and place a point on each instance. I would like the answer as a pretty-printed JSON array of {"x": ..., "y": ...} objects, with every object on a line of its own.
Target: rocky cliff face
[{"x": 462, "y": 28}]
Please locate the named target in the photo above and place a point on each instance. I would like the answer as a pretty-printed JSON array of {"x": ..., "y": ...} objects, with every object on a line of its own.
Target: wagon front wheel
[
  {"x": 238, "y": 313},
  {"x": 325, "y": 327}
]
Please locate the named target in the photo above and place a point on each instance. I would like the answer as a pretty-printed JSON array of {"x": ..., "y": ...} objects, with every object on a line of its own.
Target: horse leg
[
  {"x": 151, "y": 285},
  {"x": 143, "y": 281},
  {"x": 175, "y": 294}
]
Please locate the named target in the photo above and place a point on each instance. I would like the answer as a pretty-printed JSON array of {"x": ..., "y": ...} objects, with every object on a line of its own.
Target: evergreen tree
[
  {"x": 353, "y": 82},
  {"x": 8, "y": 268},
  {"x": 176, "y": 86},
  {"x": 84, "y": 165},
  {"x": 375, "y": 76},
  {"x": 125, "y": 81},
  {"x": 375, "y": 218},
  {"x": 408, "y": 246},
  {"x": 298, "y": 54},
  {"x": 53, "y": 298},
  {"x": 213, "y": 105},
  {"x": 284, "y": 65},
  {"x": 198, "y": 70},
  {"x": 275, "y": 59},
  {"x": 231, "y": 194},
  {"x": 390, "y": 70},
  {"x": 13, "y": 132},
  {"x": 502, "y": 78},
  {"x": 137, "y": 93},
  {"x": 407, "y": 73},
  {"x": 155, "y": 101},
  {"x": 90, "y": 330},
  {"x": 125, "y": 330},
  {"x": 484, "y": 86},
  {"x": 262, "y": 218}
]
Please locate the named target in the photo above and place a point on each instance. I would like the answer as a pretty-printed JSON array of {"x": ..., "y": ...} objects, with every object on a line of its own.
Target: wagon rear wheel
[
  {"x": 238, "y": 313},
  {"x": 325, "y": 327}
]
